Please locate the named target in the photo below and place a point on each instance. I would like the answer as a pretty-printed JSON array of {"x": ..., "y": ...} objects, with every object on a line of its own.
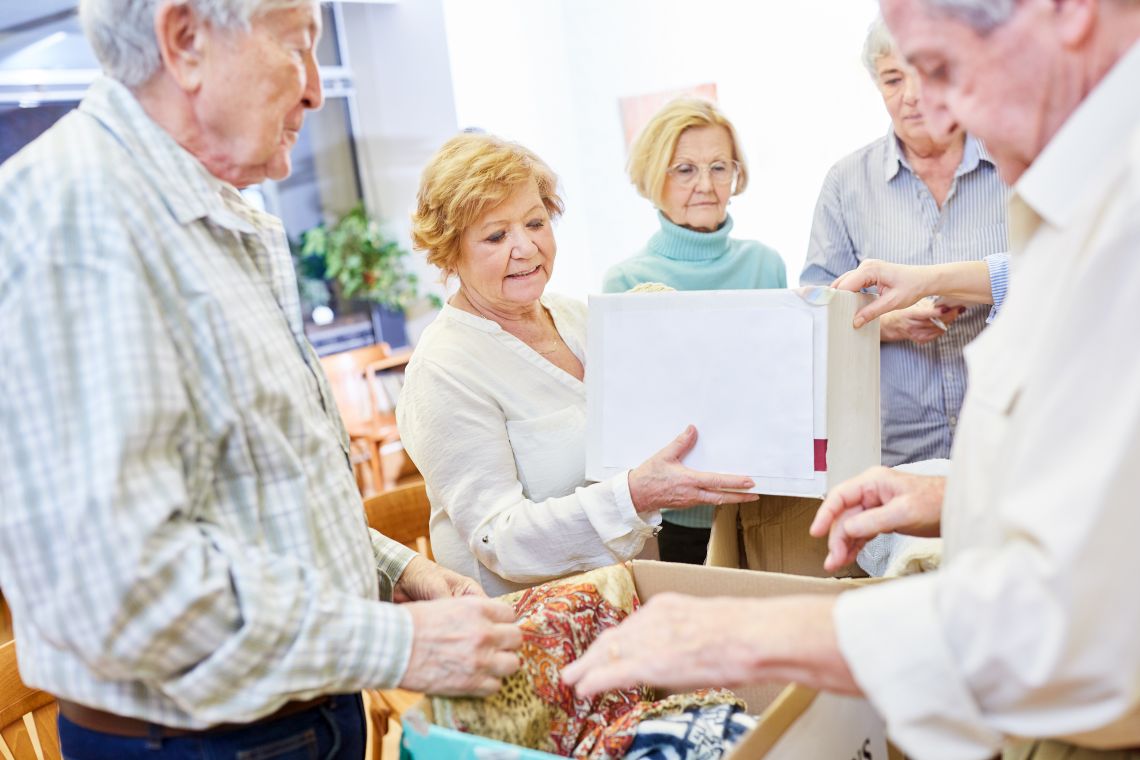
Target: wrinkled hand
[
  {"x": 683, "y": 643},
  {"x": 881, "y": 500},
  {"x": 424, "y": 580},
  {"x": 662, "y": 482},
  {"x": 900, "y": 286},
  {"x": 461, "y": 647},
  {"x": 915, "y": 323}
]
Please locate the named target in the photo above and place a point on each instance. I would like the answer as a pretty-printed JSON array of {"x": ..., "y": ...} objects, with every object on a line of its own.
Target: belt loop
[{"x": 153, "y": 736}]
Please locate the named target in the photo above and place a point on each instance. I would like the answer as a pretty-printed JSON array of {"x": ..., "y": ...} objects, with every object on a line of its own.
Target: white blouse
[{"x": 499, "y": 433}]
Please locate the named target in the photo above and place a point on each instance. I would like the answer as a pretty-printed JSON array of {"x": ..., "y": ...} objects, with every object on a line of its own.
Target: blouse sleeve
[{"x": 458, "y": 439}]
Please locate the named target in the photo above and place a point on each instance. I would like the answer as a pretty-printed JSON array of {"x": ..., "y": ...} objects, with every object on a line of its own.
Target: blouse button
[{"x": 486, "y": 539}]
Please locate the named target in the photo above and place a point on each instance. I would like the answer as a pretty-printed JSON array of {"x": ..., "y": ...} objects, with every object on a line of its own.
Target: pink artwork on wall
[{"x": 636, "y": 110}]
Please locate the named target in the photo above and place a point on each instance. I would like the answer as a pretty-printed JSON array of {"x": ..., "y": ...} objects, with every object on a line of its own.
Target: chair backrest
[
  {"x": 27, "y": 716},
  {"x": 5, "y": 621},
  {"x": 350, "y": 386},
  {"x": 402, "y": 514}
]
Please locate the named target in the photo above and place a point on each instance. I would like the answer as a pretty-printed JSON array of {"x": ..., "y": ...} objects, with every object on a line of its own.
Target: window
[{"x": 46, "y": 65}]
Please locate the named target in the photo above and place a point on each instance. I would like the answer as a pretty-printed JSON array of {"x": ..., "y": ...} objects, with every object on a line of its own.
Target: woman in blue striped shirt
[{"x": 912, "y": 197}]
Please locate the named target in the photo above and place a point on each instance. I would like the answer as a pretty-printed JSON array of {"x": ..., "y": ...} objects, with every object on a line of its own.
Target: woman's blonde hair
[
  {"x": 653, "y": 149},
  {"x": 469, "y": 175}
]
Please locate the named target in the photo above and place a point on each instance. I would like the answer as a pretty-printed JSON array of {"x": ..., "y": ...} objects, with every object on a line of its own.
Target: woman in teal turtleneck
[{"x": 688, "y": 162}]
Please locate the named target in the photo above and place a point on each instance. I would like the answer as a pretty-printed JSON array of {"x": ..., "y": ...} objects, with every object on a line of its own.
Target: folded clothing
[{"x": 559, "y": 621}]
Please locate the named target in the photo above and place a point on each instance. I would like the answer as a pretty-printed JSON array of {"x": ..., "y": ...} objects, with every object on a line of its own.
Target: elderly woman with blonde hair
[
  {"x": 493, "y": 406},
  {"x": 687, "y": 162}
]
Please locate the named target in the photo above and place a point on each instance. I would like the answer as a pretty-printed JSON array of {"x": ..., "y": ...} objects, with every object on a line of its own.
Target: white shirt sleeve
[
  {"x": 458, "y": 439},
  {"x": 1032, "y": 633}
]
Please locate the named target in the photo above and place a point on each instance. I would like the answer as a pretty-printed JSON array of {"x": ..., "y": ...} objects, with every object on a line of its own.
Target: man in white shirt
[{"x": 1030, "y": 629}]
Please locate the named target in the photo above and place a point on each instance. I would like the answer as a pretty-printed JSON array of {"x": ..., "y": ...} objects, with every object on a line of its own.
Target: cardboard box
[
  {"x": 771, "y": 534},
  {"x": 794, "y": 722},
  {"x": 777, "y": 382}
]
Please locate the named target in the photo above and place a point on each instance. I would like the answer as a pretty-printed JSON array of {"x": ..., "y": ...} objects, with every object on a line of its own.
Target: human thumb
[{"x": 681, "y": 445}]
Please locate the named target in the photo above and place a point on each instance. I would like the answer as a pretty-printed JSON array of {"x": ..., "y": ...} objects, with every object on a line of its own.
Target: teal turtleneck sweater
[
  {"x": 689, "y": 260},
  {"x": 685, "y": 259}
]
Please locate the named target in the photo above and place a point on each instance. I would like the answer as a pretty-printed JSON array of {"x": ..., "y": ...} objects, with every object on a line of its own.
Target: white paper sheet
[{"x": 742, "y": 376}]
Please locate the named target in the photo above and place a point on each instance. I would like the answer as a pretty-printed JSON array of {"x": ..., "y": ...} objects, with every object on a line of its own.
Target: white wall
[{"x": 549, "y": 73}]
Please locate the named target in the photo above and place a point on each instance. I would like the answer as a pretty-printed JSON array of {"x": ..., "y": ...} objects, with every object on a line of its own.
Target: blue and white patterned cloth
[{"x": 701, "y": 733}]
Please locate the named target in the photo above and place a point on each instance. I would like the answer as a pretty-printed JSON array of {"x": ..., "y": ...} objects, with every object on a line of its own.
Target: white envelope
[{"x": 778, "y": 384}]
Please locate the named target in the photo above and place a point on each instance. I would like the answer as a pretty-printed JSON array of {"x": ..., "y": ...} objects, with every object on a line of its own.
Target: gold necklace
[{"x": 479, "y": 311}]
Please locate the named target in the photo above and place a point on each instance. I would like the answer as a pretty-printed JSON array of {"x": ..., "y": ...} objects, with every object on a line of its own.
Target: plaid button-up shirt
[{"x": 181, "y": 539}]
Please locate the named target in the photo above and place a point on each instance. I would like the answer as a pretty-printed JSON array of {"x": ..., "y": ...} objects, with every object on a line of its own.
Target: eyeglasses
[{"x": 721, "y": 173}]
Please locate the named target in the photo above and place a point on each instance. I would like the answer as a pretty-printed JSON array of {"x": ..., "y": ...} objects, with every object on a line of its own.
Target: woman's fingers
[{"x": 679, "y": 446}]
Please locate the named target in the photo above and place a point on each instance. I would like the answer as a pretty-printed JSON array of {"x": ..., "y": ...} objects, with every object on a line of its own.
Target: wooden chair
[
  {"x": 350, "y": 376},
  {"x": 402, "y": 515},
  {"x": 27, "y": 716},
  {"x": 5, "y": 621}
]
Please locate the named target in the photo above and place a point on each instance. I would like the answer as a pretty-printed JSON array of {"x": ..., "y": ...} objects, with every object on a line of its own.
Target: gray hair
[
  {"x": 985, "y": 15},
  {"x": 879, "y": 44},
  {"x": 122, "y": 31}
]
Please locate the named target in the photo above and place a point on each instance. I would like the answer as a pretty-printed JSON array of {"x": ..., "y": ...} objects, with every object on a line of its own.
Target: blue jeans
[{"x": 332, "y": 731}]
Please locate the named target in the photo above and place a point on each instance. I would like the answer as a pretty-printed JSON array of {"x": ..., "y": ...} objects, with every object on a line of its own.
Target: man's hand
[
  {"x": 682, "y": 642},
  {"x": 461, "y": 647},
  {"x": 915, "y": 323},
  {"x": 881, "y": 500},
  {"x": 424, "y": 580}
]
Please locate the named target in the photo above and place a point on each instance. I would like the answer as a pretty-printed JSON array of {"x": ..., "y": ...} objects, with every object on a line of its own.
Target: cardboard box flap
[{"x": 652, "y": 577}]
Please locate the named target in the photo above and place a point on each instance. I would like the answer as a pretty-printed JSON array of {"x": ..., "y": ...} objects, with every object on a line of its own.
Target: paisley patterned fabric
[{"x": 534, "y": 709}]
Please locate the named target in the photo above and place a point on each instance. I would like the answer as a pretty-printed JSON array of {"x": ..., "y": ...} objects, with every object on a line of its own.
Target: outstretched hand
[
  {"x": 899, "y": 285},
  {"x": 881, "y": 500}
]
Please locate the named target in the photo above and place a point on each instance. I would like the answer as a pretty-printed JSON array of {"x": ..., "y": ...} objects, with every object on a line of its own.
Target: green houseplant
[{"x": 365, "y": 264}]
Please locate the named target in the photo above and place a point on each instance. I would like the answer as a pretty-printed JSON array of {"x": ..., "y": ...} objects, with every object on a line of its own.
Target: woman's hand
[
  {"x": 903, "y": 285},
  {"x": 916, "y": 323},
  {"x": 662, "y": 482},
  {"x": 881, "y": 500}
]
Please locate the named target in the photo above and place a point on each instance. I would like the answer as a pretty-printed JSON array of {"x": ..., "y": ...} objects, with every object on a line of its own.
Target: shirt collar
[
  {"x": 1084, "y": 153},
  {"x": 184, "y": 184},
  {"x": 973, "y": 154}
]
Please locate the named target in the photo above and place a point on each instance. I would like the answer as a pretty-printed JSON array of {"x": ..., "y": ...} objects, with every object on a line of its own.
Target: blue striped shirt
[{"x": 873, "y": 205}]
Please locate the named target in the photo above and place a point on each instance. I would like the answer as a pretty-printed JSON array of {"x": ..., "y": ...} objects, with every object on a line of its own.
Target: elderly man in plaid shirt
[{"x": 181, "y": 540}]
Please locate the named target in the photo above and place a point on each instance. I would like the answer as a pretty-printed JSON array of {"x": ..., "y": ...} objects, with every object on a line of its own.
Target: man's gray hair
[
  {"x": 122, "y": 31},
  {"x": 879, "y": 43},
  {"x": 985, "y": 15}
]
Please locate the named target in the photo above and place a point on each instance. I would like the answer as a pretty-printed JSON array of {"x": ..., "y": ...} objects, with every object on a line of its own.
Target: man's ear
[
  {"x": 1075, "y": 20},
  {"x": 182, "y": 41}
]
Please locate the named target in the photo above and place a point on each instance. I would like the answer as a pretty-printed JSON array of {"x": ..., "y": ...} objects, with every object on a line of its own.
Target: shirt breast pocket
[
  {"x": 987, "y": 239},
  {"x": 550, "y": 452},
  {"x": 994, "y": 390}
]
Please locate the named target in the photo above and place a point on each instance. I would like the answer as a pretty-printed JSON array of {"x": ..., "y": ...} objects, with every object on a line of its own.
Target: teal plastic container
[{"x": 445, "y": 744}]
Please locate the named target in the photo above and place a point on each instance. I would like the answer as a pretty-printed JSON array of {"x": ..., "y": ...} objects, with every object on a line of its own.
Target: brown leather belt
[{"x": 118, "y": 725}]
